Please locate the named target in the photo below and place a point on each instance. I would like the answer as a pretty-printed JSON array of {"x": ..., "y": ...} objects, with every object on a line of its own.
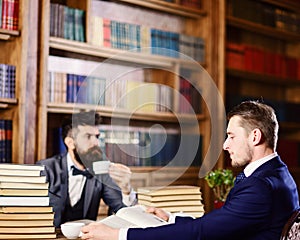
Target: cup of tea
[{"x": 71, "y": 230}]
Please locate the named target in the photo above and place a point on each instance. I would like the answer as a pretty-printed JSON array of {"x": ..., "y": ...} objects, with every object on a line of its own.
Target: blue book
[
  {"x": 81, "y": 91},
  {"x": 70, "y": 83},
  {"x": 58, "y": 143}
]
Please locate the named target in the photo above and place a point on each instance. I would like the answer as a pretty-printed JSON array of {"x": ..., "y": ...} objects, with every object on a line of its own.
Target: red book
[
  {"x": 298, "y": 69},
  {"x": 249, "y": 55},
  {"x": 288, "y": 150},
  {"x": 106, "y": 32},
  {"x": 258, "y": 60},
  {"x": 15, "y": 15},
  {"x": 269, "y": 63},
  {"x": 5, "y": 16},
  {"x": 284, "y": 66},
  {"x": 277, "y": 65},
  {"x": 235, "y": 56},
  {"x": 291, "y": 68}
]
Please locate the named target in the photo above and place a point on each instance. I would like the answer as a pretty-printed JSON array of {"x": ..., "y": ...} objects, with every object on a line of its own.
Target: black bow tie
[
  {"x": 241, "y": 176},
  {"x": 85, "y": 172}
]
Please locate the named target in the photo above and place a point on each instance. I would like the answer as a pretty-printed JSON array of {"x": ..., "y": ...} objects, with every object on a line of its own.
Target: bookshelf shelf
[
  {"x": 7, "y": 34},
  {"x": 8, "y": 101},
  {"x": 261, "y": 29},
  {"x": 287, "y": 4},
  {"x": 262, "y": 78},
  {"x": 116, "y": 54},
  {"x": 168, "y": 7},
  {"x": 110, "y": 112},
  {"x": 290, "y": 125}
]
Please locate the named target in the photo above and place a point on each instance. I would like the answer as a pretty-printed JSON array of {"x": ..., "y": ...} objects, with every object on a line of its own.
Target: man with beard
[
  {"x": 260, "y": 203},
  {"x": 74, "y": 192}
]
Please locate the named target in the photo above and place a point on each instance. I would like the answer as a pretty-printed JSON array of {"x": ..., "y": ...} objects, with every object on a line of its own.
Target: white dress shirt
[
  {"x": 251, "y": 167},
  {"x": 76, "y": 183}
]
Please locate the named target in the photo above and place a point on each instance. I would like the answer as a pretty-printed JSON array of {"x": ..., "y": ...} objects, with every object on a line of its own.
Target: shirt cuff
[
  {"x": 123, "y": 234},
  {"x": 129, "y": 199}
]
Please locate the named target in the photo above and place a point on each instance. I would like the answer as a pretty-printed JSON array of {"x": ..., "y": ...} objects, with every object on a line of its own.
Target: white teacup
[
  {"x": 71, "y": 230},
  {"x": 101, "y": 167}
]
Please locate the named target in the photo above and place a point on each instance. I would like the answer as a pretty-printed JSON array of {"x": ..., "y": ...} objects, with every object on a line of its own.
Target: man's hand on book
[
  {"x": 121, "y": 174},
  {"x": 99, "y": 231},
  {"x": 159, "y": 213}
]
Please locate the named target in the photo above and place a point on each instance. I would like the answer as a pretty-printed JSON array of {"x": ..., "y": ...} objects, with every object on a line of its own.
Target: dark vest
[{"x": 75, "y": 212}]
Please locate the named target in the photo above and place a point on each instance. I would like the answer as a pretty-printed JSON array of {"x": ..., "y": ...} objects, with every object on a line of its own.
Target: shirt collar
[
  {"x": 69, "y": 162},
  {"x": 251, "y": 167}
]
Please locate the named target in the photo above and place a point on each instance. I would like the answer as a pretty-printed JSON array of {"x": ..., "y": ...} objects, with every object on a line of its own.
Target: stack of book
[
  {"x": 24, "y": 203},
  {"x": 175, "y": 199}
]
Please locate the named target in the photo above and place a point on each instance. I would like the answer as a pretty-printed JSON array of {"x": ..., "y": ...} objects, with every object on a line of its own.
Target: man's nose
[
  {"x": 225, "y": 144},
  {"x": 95, "y": 140}
]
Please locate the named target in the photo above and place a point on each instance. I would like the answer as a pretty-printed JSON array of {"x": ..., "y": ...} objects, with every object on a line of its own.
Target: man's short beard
[{"x": 87, "y": 158}]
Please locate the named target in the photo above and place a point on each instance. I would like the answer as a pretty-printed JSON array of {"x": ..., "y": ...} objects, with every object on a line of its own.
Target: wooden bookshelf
[
  {"x": 16, "y": 46},
  {"x": 209, "y": 17}
]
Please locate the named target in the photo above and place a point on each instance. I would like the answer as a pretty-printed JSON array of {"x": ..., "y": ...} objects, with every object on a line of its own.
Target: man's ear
[
  {"x": 256, "y": 136},
  {"x": 69, "y": 142}
]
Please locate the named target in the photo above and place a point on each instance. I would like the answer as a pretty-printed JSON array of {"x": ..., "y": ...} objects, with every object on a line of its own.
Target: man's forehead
[
  {"x": 234, "y": 122},
  {"x": 88, "y": 129}
]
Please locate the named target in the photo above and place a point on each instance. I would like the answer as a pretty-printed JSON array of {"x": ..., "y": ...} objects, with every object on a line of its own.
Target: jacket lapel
[{"x": 88, "y": 194}]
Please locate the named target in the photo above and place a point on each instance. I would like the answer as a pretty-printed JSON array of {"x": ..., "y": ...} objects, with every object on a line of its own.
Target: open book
[{"x": 134, "y": 216}]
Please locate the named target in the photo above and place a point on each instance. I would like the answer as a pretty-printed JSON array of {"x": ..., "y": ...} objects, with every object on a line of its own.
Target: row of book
[
  {"x": 128, "y": 36},
  {"x": 253, "y": 59},
  {"x": 5, "y": 141},
  {"x": 67, "y": 22},
  {"x": 24, "y": 203},
  {"x": 178, "y": 199},
  {"x": 9, "y": 14},
  {"x": 266, "y": 14},
  {"x": 73, "y": 88},
  {"x": 7, "y": 80},
  {"x": 138, "y": 146},
  {"x": 130, "y": 95},
  {"x": 191, "y": 99}
]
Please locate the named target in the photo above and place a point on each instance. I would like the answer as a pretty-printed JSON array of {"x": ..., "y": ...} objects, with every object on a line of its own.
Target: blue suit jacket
[
  {"x": 97, "y": 187},
  {"x": 256, "y": 209}
]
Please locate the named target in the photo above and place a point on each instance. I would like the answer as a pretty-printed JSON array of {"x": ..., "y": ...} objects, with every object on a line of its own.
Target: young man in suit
[
  {"x": 74, "y": 192},
  {"x": 258, "y": 205}
]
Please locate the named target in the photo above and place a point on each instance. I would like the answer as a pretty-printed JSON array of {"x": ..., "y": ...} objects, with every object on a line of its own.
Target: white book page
[
  {"x": 139, "y": 217},
  {"x": 116, "y": 222}
]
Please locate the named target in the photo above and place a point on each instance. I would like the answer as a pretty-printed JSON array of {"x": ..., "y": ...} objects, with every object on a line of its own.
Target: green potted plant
[{"x": 221, "y": 181}]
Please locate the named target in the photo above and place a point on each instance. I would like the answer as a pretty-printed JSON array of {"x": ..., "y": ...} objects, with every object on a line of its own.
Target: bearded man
[{"x": 75, "y": 190}]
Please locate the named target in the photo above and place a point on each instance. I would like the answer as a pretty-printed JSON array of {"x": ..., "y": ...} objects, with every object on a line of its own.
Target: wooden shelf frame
[
  {"x": 167, "y": 7},
  {"x": 120, "y": 113},
  {"x": 262, "y": 29},
  {"x": 118, "y": 54},
  {"x": 263, "y": 78},
  {"x": 287, "y": 4},
  {"x": 7, "y": 34}
]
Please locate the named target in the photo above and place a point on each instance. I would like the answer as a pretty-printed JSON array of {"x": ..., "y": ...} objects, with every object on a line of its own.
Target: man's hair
[
  {"x": 79, "y": 119},
  {"x": 256, "y": 114}
]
